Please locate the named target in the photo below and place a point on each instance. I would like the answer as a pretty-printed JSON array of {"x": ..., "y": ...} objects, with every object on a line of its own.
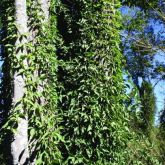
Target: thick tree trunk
[{"x": 19, "y": 146}]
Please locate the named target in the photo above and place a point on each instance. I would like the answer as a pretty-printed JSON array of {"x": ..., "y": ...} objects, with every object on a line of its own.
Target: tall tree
[
  {"x": 30, "y": 54},
  {"x": 140, "y": 54},
  {"x": 161, "y": 134},
  {"x": 148, "y": 108},
  {"x": 162, "y": 118},
  {"x": 92, "y": 89},
  {"x": 19, "y": 145}
]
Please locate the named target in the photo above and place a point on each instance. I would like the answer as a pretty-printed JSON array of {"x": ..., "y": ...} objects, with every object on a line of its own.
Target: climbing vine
[
  {"x": 7, "y": 41},
  {"x": 43, "y": 114},
  {"x": 40, "y": 97},
  {"x": 90, "y": 76}
]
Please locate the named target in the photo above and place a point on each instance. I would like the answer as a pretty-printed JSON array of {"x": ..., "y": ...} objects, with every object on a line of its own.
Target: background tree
[
  {"x": 148, "y": 108},
  {"x": 140, "y": 51},
  {"x": 161, "y": 134},
  {"x": 141, "y": 45}
]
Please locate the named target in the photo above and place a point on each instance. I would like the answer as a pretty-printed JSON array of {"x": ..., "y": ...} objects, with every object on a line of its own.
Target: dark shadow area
[{"x": 5, "y": 88}]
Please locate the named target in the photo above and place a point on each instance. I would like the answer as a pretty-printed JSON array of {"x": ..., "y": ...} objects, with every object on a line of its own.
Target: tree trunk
[
  {"x": 45, "y": 5},
  {"x": 19, "y": 146}
]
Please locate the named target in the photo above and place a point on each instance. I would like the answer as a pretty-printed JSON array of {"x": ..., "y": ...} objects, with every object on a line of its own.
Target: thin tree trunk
[
  {"x": 19, "y": 146},
  {"x": 45, "y": 5}
]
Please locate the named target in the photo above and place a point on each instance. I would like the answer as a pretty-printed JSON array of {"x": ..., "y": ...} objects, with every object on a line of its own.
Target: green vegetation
[
  {"x": 63, "y": 99},
  {"x": 94, "y": 118}
]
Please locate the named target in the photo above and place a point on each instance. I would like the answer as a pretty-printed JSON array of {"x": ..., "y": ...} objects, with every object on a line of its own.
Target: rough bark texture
[
  {"x": 19, "y": 146},
  {"x": 45, "y": 4}
]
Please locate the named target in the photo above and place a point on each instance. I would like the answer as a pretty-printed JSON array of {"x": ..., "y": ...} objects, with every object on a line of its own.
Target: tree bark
[
  {"x": 19, "y": 146},
  {"x": 45, "y": 5}
]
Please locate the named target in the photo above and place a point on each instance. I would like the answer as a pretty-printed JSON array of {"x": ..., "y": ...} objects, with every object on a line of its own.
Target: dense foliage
[
  {"x": 162, "y": 134},
  {"x": 75, "y": 97},
  {"x": 39, "y": 72},
  {"x": 94, "y": 117},
  {"x": 144, "y": 4}
]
